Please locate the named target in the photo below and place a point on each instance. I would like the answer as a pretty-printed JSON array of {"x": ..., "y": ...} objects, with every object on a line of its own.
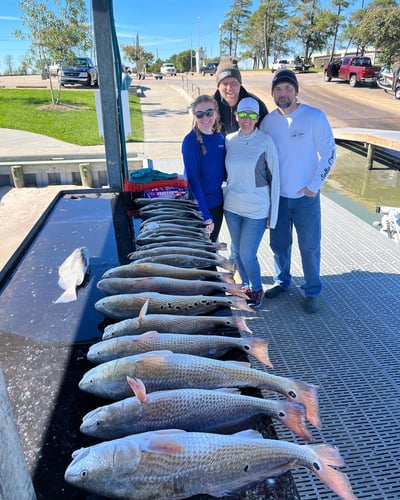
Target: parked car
[
  {"x": 81, "y": 71},
  {"x": 168, "y": 69},
  {"x": 209, "y": 69},
  {"x": 281, "y": 64},
  {"x": 355, "y": 70}
]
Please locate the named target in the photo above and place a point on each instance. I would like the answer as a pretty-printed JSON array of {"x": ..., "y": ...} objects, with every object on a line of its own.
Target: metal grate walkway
[{"x": 351, "y": 349}]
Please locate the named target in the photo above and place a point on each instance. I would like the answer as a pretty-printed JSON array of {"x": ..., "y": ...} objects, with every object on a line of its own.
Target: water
[{"x": 360, "y": 190}]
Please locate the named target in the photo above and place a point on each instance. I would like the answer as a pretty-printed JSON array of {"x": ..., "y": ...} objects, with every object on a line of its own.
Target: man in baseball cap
[{"x": 229, "y": 92}]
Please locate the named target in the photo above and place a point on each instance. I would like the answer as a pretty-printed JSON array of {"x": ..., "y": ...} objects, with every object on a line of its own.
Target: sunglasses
[
  {"x": 207, "y": 112},
  {"x": 245, "y": 114}
]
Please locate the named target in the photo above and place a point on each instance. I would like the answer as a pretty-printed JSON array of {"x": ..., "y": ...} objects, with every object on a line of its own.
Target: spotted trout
[
  {"x": 174, "y": 464},
  {"x": 164, "y": 370},
  {"x": 197, "y": 410},
  {"x": 128, "y": 305},
  {"x": 173, "y": 286},
  {"x": 211, "y": 346},
  {"x": 189, "y": 261},
  {"x": 139, "y": 270},
  {"x": 175, "y": 323}
]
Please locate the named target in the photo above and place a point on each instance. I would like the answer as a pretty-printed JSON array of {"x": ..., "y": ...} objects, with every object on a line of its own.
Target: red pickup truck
[{"x": 355, "y": 70}]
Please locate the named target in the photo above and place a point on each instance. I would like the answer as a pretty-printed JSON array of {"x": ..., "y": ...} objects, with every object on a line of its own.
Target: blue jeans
[
  {"x": 305, "y": 215},
  {"x": 246, "y": 235}
]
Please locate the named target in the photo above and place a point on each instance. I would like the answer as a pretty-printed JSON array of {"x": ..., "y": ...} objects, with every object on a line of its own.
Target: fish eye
[
  {"x": 84, "y": 473},
  {"x": 99, "y": 422}
]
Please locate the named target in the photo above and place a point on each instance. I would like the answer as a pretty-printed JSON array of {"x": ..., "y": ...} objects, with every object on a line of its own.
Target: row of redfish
[{"x": 178, "y": 383}]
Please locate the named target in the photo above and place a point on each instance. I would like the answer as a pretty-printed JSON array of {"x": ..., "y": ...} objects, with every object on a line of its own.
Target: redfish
[
  {"x": 211, "y": 346},
  {"x": 164, "y": 370},
  {"x": 198, "y": 410},
  {"x": 173, "y": 464}
]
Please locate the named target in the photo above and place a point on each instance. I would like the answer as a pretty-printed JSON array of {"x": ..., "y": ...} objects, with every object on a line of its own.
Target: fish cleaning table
[{"x": 44, "y": 345}]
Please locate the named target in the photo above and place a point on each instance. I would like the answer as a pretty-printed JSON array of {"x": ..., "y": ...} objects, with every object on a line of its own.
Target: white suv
[
  {"x": 281, "y": 64},
  {"x": 168, "y": 69}
]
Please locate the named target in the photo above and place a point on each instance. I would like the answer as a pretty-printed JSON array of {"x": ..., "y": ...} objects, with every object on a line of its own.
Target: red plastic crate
[{"x": 133, "y": 187}]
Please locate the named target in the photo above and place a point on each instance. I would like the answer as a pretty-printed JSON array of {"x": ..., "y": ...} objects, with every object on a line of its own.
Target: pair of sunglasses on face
[
  {"x": 246, "y": 114},
  {"x": 202, "y": 114}
]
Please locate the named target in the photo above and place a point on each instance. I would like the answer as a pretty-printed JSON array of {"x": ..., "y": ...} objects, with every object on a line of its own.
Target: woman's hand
[{"x": 209, "y": 227}]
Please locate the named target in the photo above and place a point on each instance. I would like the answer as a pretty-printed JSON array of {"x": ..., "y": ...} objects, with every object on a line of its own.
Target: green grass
[{"x": 73, "y": 121}]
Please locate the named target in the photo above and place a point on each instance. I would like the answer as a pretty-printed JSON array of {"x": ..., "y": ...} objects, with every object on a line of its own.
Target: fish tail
[
  {"x": 259, "y": 349},
  {"x": 235, "y": 289},
  {"x": 68, "y": 296},
  {"x": 241, "y": 304},
  {"x": 308, "y": 394},
  {"x": 228, "y": 264},
  {"x": 327, "y": 456},
  {"x": 241, "y": 324},
  {"x": 293, "y": 415},
  {"x": 226, "y": 277}
]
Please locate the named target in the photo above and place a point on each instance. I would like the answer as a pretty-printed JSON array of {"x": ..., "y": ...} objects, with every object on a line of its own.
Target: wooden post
[
  {"x": 370, "y": 156},
  {"x": 15, "y": 480},
  {"x": 86, "y": 174},
  {"x": 17, "y": 172}
]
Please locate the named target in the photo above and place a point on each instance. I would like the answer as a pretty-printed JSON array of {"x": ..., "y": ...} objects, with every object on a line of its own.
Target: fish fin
[
  {"x": 249, "y": 434},
  {"x": 241, "y": 304},
  {"x": 228, "y": 264},
  {"x": 226, "y": 277},
  {"x": 241, "y": 324},
  {"x": 68, "y": 296},
  {"x": 234, "y": 289},
  {"x": 258, "y": 348},
  {"x": 293, "y": 415},
  {"x": 138, "y": 388},
  {"x": 151, "y": 334},
  {"x": 327, "y": 456},
  {"x": 163, "y": 445},
  {"x": 143, "y": 310},
  {"x": 308, "y": 394},
  {"x": 153, "y": 356}
]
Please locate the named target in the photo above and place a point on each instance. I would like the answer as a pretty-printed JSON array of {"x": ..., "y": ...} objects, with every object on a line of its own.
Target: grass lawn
[{"x": 73, "y": 121}]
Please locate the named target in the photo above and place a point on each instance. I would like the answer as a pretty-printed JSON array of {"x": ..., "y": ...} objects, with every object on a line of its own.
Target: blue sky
[{"x": 164, "y": 27}]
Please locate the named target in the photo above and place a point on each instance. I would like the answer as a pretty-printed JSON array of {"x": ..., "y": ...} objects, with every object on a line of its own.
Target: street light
[{"x": 198, "y": 32}]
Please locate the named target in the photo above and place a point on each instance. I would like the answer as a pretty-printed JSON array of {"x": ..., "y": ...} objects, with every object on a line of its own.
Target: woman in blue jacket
[{"x": 203, "y": 150}]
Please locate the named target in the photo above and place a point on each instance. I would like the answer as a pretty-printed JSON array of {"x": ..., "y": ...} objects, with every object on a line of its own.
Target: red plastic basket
[{"x": 133, "y": 187}]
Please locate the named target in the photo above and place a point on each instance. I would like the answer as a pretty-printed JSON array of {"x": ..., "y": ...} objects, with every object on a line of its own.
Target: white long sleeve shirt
[
  {"x": 306, "y": 148},
  {"x": 252, "y": 188}
]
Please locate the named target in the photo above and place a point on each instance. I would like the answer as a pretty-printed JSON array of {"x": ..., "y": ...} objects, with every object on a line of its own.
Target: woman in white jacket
[{"x": 251, "y": 195}]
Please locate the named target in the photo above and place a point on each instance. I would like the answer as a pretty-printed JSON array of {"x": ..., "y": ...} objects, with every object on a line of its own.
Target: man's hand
[{"x": 306, "y": 192}]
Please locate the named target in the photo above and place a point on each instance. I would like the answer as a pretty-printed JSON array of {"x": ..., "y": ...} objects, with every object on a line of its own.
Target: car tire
[
  {"x": 353, "y": 81},
  {"x": 397, "y": 93},
  {"x": 327, "y": 78}
]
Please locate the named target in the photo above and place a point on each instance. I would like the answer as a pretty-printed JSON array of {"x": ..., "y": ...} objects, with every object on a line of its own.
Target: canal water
[{"x": 359, "y": 190}]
